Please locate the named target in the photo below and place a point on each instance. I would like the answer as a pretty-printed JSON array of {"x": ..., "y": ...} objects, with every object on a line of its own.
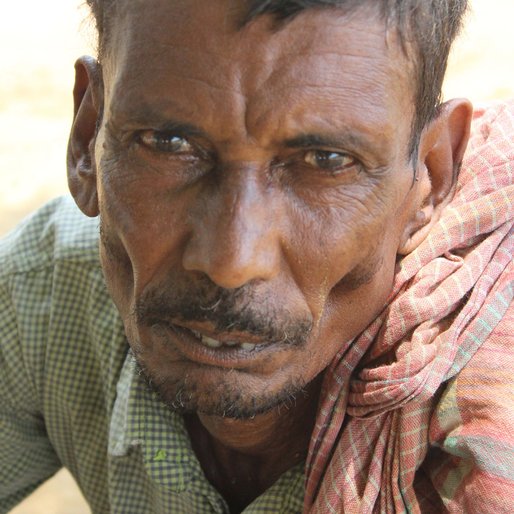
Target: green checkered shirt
[{"x": 69, "y": 394}]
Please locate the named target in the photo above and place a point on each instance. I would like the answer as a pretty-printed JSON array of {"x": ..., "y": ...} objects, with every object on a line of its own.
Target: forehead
[{"x": 193, "y": 60}]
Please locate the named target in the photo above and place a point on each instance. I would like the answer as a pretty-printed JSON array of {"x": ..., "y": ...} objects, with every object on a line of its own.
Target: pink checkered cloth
[{"x": 432, "y": 429}]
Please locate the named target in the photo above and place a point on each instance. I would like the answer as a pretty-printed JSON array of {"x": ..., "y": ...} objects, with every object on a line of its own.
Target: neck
[
  {"x": 273, "y": 433},
  {"x": 243, "y": 458}
]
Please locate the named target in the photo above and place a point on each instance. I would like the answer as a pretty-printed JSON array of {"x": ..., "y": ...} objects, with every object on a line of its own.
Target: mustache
[{"x": 228, "y": 310}]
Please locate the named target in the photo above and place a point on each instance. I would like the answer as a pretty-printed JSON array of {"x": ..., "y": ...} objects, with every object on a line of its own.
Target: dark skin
[
  {"x": 255, "y": 193},
  {"x": 242, "y": 467}
]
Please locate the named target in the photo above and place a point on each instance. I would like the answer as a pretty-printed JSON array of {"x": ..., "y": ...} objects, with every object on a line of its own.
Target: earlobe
[
  {"x": 87, "y": 97},
  {"x": 441, "y": 151}
]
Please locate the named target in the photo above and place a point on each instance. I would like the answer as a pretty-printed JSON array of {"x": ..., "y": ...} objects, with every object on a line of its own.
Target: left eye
[
  {"x": 329, "y": 161},
  {"x": 163, "y": 142}
]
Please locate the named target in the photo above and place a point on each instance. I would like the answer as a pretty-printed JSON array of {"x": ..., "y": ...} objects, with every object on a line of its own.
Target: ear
[
  {"x": 88, "y": 100},
  {"x": 441, "y": 150}
]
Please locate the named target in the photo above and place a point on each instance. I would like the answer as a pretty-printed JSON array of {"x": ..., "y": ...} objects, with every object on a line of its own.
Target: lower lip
[{"x": 224, "y": 356}]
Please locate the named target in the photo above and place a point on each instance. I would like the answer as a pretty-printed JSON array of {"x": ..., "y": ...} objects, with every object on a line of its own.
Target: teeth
[
  {"x": 209, "y": 341},
  {"x": 214, "y": 343}
]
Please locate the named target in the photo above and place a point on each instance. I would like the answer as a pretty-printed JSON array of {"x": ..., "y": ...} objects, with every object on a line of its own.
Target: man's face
[{"x": 254, "y": 185}]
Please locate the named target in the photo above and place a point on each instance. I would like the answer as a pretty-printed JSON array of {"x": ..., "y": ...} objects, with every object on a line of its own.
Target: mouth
[
  {"x": 211, "y": 342},
  {"x": 227, "y": 350}
]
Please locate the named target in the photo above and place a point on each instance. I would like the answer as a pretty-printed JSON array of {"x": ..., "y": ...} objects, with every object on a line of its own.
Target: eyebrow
[
  {"x": 152, "y": 118},
  {"x": 340, "y": 140},
  {"x": 180, "y": 129}
]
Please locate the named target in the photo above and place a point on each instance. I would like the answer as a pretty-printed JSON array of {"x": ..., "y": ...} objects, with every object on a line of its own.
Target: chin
[{"x": 228, "y": 394}]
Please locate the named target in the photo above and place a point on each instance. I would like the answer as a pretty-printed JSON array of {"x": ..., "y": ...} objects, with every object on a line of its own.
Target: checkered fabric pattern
[
  {"x": 387, "y": 437},
  {"x": 69, "y": 395}
]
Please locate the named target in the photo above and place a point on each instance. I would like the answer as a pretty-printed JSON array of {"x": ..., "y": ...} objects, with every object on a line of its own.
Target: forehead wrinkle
[
  {"x": 289, "y": 123},
  {"x": 151, "y": 106},
  {"x": 333, "y": 101},
  {"x": 290, "y": 47},
  {"x": 185, "y": 65},
  {"x": 308, "y": 57},
  {"x": 143, "y": 37},
  {"x": 139, "y": 100}
]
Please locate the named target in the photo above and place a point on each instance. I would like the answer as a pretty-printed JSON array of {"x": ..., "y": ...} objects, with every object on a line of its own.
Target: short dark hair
[{"x": 426, "y": 27}]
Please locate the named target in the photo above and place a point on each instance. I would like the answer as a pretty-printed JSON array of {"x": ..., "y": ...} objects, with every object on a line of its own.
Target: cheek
[
  {"x": 143, "y": 226},
  {"x": 116, "y": 267},
  {"x": 356, "y": 294},
  {"x": 343, "y": 238}
]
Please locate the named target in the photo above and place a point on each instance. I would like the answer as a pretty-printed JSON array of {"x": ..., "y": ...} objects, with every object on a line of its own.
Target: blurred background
[{"x": 39, "y": 43}]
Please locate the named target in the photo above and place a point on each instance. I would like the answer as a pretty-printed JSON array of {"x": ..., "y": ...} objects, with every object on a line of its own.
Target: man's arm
[{"x": 27, "y": 457}]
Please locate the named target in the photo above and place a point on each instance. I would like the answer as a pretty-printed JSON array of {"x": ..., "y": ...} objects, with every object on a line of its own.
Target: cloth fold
[{"x": 371, "y": 432}]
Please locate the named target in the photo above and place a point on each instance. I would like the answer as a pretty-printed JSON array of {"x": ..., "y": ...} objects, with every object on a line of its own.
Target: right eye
[{"x": 165, "y": 142}]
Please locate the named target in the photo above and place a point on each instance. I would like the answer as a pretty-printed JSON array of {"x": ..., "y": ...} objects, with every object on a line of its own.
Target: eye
[
  {"x": 334, "y": 162},
  {"x": 164, "y": 142}
]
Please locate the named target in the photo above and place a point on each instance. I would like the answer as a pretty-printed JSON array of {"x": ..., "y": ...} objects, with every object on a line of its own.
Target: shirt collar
[{"x": 141, "y": 419}]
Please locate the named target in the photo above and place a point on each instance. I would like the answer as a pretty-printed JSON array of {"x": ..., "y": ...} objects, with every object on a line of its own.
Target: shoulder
[
  {"x": 473, "y": 428},
  {"x": 56, "y": 232},
  {"x": 56, "y": 313}
]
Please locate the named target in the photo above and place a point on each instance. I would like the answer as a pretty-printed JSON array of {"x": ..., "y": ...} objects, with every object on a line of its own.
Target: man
[{"x": 305, "y": 281}]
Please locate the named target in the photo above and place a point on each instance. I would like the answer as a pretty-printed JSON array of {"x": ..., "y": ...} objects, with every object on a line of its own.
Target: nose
[{"x": 234, "y": 240}]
